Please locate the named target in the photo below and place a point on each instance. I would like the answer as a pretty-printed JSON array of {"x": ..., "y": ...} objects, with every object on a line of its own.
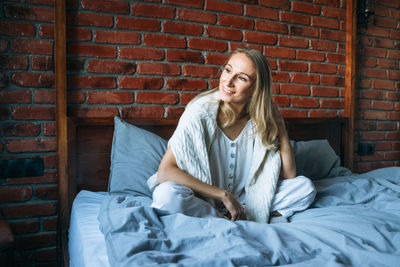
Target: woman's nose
[{"x": 230, "y": 80}]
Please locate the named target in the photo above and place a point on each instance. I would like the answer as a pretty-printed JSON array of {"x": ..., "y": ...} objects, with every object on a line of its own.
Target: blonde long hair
[{"x": 260, "y": 105}]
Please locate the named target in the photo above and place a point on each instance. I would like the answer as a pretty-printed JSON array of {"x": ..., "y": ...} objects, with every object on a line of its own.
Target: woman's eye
[
  {"x": 243, "y": 79},
  {"x": 228, "y": 70}
]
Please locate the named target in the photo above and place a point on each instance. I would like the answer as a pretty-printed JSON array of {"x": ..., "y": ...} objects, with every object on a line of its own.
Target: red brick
[
  {"x": 392, "y": 155},
  {"x": 292, "y": 66},
  {"x": 142, "y": 112},
  {"x": 95, "y": 112},
  {"x": 377, "y": 31},
  {"x": 49, "y": 129},
  {"x": 374, "y": 73},
  {"x": 75, "y": 64},
  {"x": 303, "y": 31},
  {"x": 90, "y": 19},
  {"x": 332, "y": 103},
  {"x": 50, "y": 223},
  {"x": 216, "y": 59},
  {"x": 29, "y": 13},
  {"x": 393, "y": 54},
  {"x": 393, "y": 96},
  {"x": 156, "y": 98},
  {"x": 383, "y": 84},
  {"x": 385, "y": 105},
  {"x": 373, "y": 136},
  {"x": 75, "y": 97},
  {"x": 150, "y": 10},
  {"x": 46, "y": 31},
  {"x": 235, "y": 22},
  {"x": 295, "y": 18},
  {"x": 182, "y": 28},
  {"x": 280, "y": 77},
  {"x": 394, "y": 75},
  {"x": 36, "y": 241},
  {"x": 109, "y": 98},
  {"x": 310, "y": 55},
  {"x": 292, "y": 42},
  {"x": 34, "y": 47},
  {"x": 368, "y": 62},
  {"x": 379, "y": 42},
  {"x": 224, "y": 33},
  {"x": 33, "y": 113},
  {"x": 50, "y": 161},
  {"x": 92, "y": 82},
  {"x": 393, "y": 116},
  {"x": 185, "y": 84},
  {"x": 31, "y": 145},
  {"x": 323, "y": 68},
  {"x": 279, "y": 52},
  {"x": 305, "y": 78},
  {"x": 15, "y": 194},
  {"x": 306, "y": 8},
  {"x": 385, "y": 22},
  {"x": 163, "y": 40},
  {"x": 15, "y": 96},
  {"x": 200, "y": 71},
  {"x": 334, "y": 12},
  {"x": 41, "y": 63},
  {"x": 91, "y": 50},
  {"x": 335, "y": 3},
  {"x": 335, "y": 58},
  {"x": 324, "y": 22},
  {"x": 395, "y": 34},
  {"x": 79, "y": 34},
  {"x": 141, "y": 53},
  {"x": 294, "y": 89},
  {"x": 21, "y": 129},
  {"x": 46, "y": 192},
  {"x": 269, "y": 26},
  {"x": 184, "y": 56},
  {"x": 282, "y": 4},
  {"x": 105, "y": 66},
  {"x": 26, "y": 79},
  {"x": 321, "y": 113},
  {"x": 324, "y": 91},
  {"x": 258, "y": 37},
  {"x": 140, "y": 83},
  {"x": 333, "y": 35},
  {"x": 293, "y": 113},
  {"x": 332, "y": 80},
  {"x": 138, "y": 24},
  {"x": 158, "y": 68},
  {"x": 25, "y": 226},
  {"x": 115, "y": 37},
  {"x": 3, "y": 45},
  {"x": 174, "y": 112},
  {"x": 304, "y": 102},
  {"x": 114, "y": 6},
  {"x": 44, "y": 96},
  {"x": 281, "y": 101},
  {"x": 197, "y": 16},
  {"x": 16, "y": 28},
  {"x": 374, "y": 94},
  {"x": 187, "y": 97},
  {"x": 207, "y": 44},
  {"x": 28, "y": 210},
  {"x": 223, "y": 7},
  {"x": 323, "y": 45},
  {"x": 372, "y": 115},
  {"x": 374, "y": 52},
  {"x": 261, "y": 12},
  {"x": 195, "y": 4},
  {"x": 48, "y": 177}
]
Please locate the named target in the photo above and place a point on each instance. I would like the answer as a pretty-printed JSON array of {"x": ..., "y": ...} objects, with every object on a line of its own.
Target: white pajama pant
[{"x": 292, "y": 195}]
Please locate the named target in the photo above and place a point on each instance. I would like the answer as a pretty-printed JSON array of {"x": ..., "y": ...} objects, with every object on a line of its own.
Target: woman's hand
[{"x": 236, "y": 210}]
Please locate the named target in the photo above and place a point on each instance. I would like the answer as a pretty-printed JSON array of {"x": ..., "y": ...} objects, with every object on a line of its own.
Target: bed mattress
[{"x": 86, "y": 243}]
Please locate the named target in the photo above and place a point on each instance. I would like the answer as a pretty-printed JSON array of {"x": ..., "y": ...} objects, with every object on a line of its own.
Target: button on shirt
[{"x": 230, "y": 161}]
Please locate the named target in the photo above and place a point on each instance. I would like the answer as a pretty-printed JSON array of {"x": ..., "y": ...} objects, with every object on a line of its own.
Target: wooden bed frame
[{"x": 90, "y": 140}]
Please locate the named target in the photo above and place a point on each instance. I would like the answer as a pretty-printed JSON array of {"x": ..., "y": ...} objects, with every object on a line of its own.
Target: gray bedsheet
[{"x": 354, "y": 221}]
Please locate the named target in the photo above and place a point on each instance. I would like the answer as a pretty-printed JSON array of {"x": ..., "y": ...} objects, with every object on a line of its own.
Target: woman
[{"x": 229, "y": 149}]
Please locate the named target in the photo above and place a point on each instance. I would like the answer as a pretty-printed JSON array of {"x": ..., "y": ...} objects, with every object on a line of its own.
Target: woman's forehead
[{"x": 241, "y": 63}]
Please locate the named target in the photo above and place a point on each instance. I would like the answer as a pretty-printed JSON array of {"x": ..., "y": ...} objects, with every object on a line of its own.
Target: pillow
[
  {"x": 135, "y": 156},
  {"x": 315, "y": 158}
]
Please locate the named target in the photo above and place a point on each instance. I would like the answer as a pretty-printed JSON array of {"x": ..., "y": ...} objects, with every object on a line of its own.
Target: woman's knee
[{"x": 170, "y": 194}]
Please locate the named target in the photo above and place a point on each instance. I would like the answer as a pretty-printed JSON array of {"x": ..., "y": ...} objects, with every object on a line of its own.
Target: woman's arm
[
  {"x": 288, "y": 165},
  {"x": 169, "y": 171}
]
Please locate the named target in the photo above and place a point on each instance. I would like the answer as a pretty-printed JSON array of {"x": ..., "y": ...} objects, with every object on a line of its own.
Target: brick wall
[
  {"x": 378, "y": 87},
  {"x": 150, "y": 58}
]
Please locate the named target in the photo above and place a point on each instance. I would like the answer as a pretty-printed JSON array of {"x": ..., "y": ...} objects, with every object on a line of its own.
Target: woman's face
[{"x": 236, "y": 84}]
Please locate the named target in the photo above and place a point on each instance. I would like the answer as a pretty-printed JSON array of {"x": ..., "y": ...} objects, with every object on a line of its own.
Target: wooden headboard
[{"x": 90, "y": 140}]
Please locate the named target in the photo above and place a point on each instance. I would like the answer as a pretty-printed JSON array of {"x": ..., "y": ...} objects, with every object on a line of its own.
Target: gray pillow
[
  {"x": 135, "y": 156},
  {"x": 315, "y": 158}
]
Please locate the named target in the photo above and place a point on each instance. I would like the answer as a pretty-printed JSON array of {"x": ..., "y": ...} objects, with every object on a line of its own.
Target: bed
[{"x": 354, "y": 220}]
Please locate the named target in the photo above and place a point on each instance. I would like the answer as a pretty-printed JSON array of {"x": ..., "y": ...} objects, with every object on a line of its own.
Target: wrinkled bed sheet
[{"x": 354, "y": 221}]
